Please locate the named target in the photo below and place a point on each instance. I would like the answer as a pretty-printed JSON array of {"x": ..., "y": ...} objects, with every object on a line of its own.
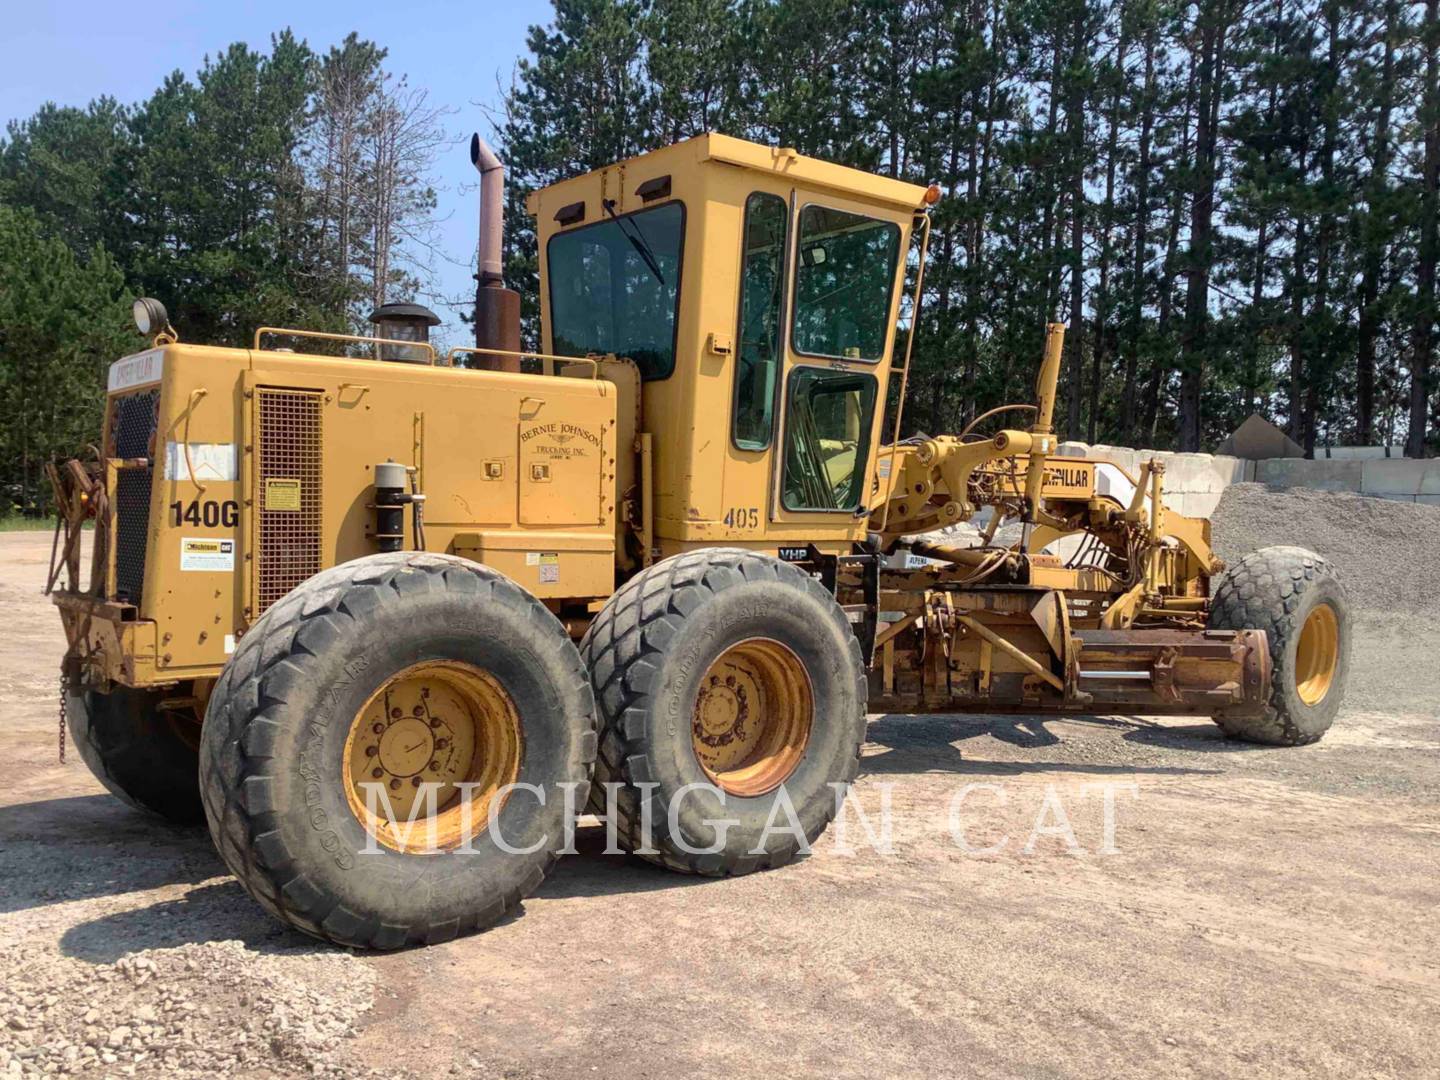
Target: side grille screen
[
  {"x": 132, "y": 516},
  {"x": 132, "y": 435},
  {"x": 132, "y": 425},
  {"x": 288, "y": 496}
]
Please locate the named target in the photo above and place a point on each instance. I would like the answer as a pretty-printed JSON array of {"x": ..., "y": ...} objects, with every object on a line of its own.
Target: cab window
[
  {"x": 615, "y": 288},
  {"x": 757, "y": 362},
  {"x": 844, "y": 279},
  {"x": 827, "y": 438}
]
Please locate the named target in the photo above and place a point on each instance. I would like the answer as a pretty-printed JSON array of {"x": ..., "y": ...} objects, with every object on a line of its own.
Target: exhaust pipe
[
  {"x": 492, "y": 209},
  {"x": 497, "y": 309}
]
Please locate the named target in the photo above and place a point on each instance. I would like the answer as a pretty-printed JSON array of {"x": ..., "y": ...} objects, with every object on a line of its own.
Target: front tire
[
  {"x": 1297, "y": 598},
  {"x": 728, "y": 680},
  {"x": 392, "y": 673},
  {"x": 145, "y": 756}
]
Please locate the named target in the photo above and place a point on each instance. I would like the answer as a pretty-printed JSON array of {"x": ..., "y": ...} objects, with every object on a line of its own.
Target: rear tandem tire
[
  {"x": 1297, "y": 598},
  {"x": 746, "y": 659},
  {"x": 489, "y": 682},
  {"x": 145, "y": 756}
]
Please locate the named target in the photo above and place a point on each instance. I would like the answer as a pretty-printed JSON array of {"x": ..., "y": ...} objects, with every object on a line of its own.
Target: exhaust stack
[{"x": 497, "y": 309}]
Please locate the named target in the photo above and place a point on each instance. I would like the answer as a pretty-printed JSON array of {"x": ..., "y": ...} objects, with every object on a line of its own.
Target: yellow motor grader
[{"x": 347, "y": 589}]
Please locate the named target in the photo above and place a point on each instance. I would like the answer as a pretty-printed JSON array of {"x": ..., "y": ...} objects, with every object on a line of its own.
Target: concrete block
[
  {"x": 1195, "y": 504},
  {"x": 1322, "y": 475},
  {"x": 1073, "y": 449},
  {"x": 1065, "y": 546},
  {"x": 1209, "y": 473},
  {"x": 1403, "y": 477},
  {"x": 1357, "y": 453},
  {"x": 1123, "y": 456}
]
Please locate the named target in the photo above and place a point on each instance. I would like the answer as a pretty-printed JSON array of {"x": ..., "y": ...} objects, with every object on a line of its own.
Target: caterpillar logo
[
  {"x": 1079, "y": 479},
  {"x": 1069, "y": 479},
  {"x": 1064, "y": 479}
]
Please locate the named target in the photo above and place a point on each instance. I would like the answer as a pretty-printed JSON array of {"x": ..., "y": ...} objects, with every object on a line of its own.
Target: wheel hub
[
  {"x": 406, "y": 747},
  {"x": 428, "y": 730},
  {"x": 721, "y": 711},
  {"x": 1317, "y": 654},
  {"x": 752, "y": 717}
]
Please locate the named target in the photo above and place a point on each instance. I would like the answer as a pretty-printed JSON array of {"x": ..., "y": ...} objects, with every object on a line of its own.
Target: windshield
[
  {"x": 615, "y": 288},
  {"x": 843, "y": 282}
]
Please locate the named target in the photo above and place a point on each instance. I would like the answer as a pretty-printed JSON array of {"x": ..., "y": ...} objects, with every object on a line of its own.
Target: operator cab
[{"x": 757, "y": 291}]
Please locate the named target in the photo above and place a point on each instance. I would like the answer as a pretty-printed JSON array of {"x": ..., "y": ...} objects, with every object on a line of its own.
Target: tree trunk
[
  {"x": 1161, "y": 370},
  {"x": 1099, "y": 349},
  {"x": 1075, "y": 124},
  {"x": 1320, "y": 374},
  {"x": 1371, "y": 239},
  {"x": 1298, "y": 338},
  {"x": 1141, "y": 247},
  {"x": 1422, "y": 339},
  {"x": 1202, "y": 207}
]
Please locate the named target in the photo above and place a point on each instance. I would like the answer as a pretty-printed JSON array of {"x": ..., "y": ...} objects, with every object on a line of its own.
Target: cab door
[{"x": 844, "y": 300}]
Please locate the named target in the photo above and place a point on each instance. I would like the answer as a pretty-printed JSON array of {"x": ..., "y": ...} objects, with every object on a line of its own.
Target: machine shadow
[
  {"x": 217, "y": 911},
  {"x": 82, "y": 847},
  {"x": 220, "y": 910},
  {"x": 592, "y": 872},
  {"x": 927, "y": 743}
]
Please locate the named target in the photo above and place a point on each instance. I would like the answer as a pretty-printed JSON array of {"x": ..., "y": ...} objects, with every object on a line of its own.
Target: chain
[{"x": 64, "y": 693}]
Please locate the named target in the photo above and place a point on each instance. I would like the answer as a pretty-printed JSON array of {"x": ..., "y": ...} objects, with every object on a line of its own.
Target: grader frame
[{"x": 703, "y": 419}]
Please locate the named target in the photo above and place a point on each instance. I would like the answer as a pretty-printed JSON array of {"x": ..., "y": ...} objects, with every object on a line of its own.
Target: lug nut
[
  {"x": 377, "y": 773},
  {"x": 379, "y": 729},
  {"x": 416, "y": 781},
  {"x": 371, "y": 751},
  {"x": 394, "y": 785}
]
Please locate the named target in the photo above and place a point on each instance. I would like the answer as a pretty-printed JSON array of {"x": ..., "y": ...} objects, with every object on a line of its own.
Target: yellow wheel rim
[
  {"x": 753, "y": 715},
  {"x": 1317, "y": 654},
  {"x": 426, "y": 731}
]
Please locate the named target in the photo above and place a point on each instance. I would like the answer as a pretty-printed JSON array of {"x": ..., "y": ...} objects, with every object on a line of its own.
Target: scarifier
[{"x": 344, "y": 588}]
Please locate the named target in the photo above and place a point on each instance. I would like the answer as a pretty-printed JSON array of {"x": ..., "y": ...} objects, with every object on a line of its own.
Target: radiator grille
[
  {"x": 288, "y": 491},
  {"x": 132, "y": 424},
  {"x": 133, "y": 420},
  {"x": 132, "y": 520}
]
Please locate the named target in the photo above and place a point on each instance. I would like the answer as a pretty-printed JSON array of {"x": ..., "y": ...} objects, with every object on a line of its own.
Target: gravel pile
[
  {"x": 1387, "y": 552},
  {"x": 197, "y": 1010}
]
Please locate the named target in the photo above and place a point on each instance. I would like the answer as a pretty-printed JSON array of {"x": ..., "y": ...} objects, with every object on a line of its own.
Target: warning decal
[
  {"x": 549, "y": 568},
  {"x": 206, "y": 554},
  {"x": 282, "y": 494}
]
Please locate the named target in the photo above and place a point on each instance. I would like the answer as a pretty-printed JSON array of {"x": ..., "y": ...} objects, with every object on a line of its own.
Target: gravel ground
[{"x": 1264, "y": 911}]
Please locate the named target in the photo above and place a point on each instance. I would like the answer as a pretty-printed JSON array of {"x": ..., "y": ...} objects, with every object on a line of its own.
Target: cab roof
[{"x": 778, "y": 160}]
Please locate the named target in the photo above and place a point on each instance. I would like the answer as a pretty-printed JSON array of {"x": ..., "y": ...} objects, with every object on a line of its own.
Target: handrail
[
  {"x": 325, "y": 336},
  {"x": 523, "y": 354}
]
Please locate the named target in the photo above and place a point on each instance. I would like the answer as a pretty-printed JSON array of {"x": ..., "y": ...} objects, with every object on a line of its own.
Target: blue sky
[{"x": 70, "y": 53}]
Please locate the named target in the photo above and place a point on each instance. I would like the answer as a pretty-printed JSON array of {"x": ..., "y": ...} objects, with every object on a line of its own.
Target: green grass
[{"x": 24, "y": 524}]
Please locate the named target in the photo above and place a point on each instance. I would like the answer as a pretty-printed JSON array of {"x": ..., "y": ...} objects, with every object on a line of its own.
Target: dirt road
[{"x": 1265, "y": 912}]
